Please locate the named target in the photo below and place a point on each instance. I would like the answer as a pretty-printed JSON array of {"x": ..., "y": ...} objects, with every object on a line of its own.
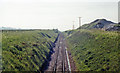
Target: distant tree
[{"x": 55, "y": 30}]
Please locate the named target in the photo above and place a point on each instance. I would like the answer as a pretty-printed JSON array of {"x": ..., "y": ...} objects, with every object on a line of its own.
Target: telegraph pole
[
  {"x": 73, "y": 25},
  {"x": 79, "y": 21}
]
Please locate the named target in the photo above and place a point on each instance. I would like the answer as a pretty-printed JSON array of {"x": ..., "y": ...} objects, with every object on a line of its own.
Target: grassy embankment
[
  {"x": 0, "y": 49},
  {"x": 26, "y": 50},
  {"x": 95, "y": 50}
]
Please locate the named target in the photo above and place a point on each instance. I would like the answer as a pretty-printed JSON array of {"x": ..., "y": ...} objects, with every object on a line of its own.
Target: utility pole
[
  {"x": 79, "y": 21},
  {"x": 73, "y": 25}
]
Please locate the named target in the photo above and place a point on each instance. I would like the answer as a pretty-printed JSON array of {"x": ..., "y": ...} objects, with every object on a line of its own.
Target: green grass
[
  {"x": 26, "y": 50},
  {"x": 95, "y": 50},
  {"x": 0, "y": 49}
]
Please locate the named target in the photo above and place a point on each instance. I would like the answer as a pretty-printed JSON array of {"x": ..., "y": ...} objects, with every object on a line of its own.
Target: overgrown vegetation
[
  {"x": 95, "y": 50},
  {"x": 26, "y": 50}
]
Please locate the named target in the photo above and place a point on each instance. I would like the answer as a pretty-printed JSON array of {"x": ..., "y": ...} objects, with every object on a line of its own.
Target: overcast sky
[{"x": 49, "y": 14}]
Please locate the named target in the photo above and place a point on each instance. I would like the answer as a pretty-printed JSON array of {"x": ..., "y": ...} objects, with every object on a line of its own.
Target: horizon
[
  {"x": 56, "y": 14},
  {"x": 11, "y": 28}
]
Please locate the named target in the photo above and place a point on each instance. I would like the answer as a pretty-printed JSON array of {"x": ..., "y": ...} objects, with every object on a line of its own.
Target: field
[
  {"x": 94, "y": 50},
  {"x": 26, "y": 50}
]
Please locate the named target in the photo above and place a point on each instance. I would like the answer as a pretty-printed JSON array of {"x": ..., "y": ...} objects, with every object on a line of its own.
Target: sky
[{"x": 55, "y": 14}]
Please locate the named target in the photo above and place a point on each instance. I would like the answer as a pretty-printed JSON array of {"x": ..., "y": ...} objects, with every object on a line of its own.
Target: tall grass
[
  {"x": 26, "y": 50},
  {"x": 95, "y": 50}
]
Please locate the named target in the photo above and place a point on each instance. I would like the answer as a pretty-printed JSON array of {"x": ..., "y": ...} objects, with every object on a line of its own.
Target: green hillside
[
  {"x": 26, "y": 50},
  {"x": 94, "y": 50}
]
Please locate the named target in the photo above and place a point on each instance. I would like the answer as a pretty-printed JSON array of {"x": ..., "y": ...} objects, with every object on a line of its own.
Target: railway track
[{"x": 59, "y": 59}]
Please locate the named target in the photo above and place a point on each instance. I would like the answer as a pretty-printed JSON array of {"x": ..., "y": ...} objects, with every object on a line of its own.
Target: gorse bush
[{"x": 26, "y": 50}]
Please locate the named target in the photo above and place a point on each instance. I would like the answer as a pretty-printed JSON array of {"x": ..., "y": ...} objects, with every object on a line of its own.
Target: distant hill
[
  {"x": 101, "y": 24},
  {"x": 114, "y": 28},
  {"x": 7, "y": 28}
]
